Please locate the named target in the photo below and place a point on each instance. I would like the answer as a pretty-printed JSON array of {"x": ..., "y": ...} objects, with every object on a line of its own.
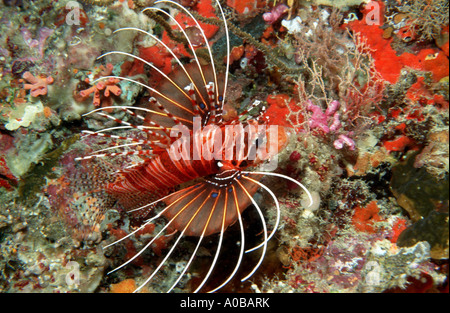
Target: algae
[{"x": 425, "y": 198}]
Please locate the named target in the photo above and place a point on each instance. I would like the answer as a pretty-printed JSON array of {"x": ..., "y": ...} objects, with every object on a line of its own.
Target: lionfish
[{"x": 187, "y": 139}]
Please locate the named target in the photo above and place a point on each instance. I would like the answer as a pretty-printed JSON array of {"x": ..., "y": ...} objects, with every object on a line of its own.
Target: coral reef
[{"x": 361, "y": 86}]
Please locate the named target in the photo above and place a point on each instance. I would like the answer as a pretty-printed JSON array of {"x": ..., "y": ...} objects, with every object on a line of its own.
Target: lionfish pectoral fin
[
  {"x": 210, "y": 207},
  {"x": 181, "y": 211},
  {"x": 214, "y": 190}
]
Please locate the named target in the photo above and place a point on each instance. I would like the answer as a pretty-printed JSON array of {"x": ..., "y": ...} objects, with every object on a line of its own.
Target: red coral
[
  {"x": 129, "y": 245},
  {"x": 6, "y": 173},
  {"x": 37, "y": 84},
  {"x": 6, "y": 177},
  {"x": 159, "y": 57},
  {"x": 205, "y": 9},
  {"x": 283, "y": 111},
  {"x": 400, "y": 144},
  {"x": 277, "y": 110},
  {"x": 364, "y": 219},
  {"x": 437, "y": 63},
  {"x": 246, "y": 7},
  {"x": 388, "y": 63},
  {"x": 295, "y": 156},
  {"x": 422, "y": 284},
  {"x": 399, "y": 226},
  {"x": 421, "y": 93},
  {"x": 147, "y": 230}
]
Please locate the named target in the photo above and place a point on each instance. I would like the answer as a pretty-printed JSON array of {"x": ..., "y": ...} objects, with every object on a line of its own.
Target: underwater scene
[{"x": 230, "y": 146}]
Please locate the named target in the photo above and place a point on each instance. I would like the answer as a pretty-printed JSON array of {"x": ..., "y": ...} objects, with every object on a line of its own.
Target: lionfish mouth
[{"x": 221, "y": 192}]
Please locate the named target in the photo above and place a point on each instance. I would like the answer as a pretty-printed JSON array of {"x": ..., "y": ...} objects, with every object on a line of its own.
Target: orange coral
[
  {"x": 47, "y": 112},
  {"x": 37, "y": 85},
  {"x": 125, "y": 286},
  {"x": 308, "y": 254},
  {"x": 236, "y": 54},
  {"x": 109, "y": 86}
]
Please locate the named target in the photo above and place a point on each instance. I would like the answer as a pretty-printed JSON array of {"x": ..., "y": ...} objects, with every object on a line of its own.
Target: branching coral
[
  {"x": 319, "y": 40},
  {"x": 357, "y": 86},
  {"x": 36, "y": 84},
  {"x": 427, "y": 17},
  {"x": 329, "y": 122},
  {"x": 360, "y": 85},
  {"x": 109, "y": 86}
]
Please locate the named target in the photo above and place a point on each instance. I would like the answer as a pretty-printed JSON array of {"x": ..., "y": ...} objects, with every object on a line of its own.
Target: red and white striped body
[{"x": 161, "y": 174}]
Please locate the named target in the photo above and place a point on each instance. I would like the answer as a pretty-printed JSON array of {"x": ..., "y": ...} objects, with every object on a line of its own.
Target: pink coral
[
  {"x": 344, "y": 140},
  {"x": 272, "y": 16},
  {"x": 37, "y": 85},
  {"x": 329, "y": 122},
  {"x": 320, "y": 119},
  {"x": 36, "y": 44}
]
